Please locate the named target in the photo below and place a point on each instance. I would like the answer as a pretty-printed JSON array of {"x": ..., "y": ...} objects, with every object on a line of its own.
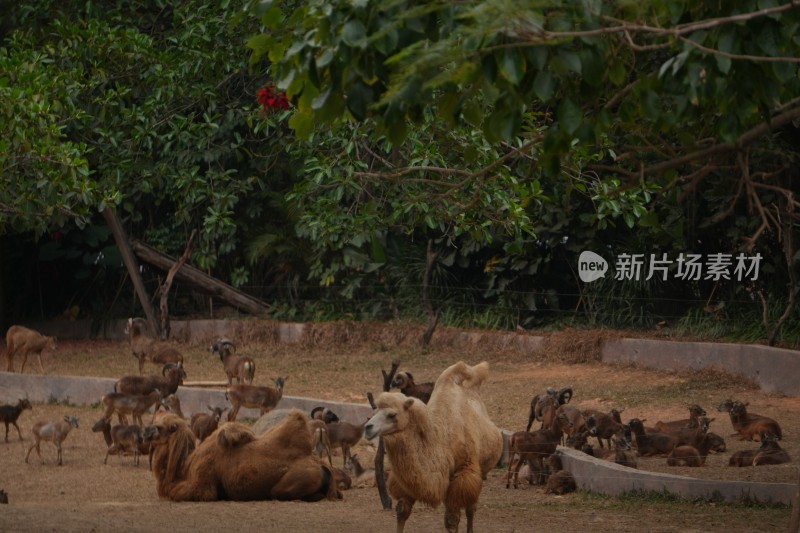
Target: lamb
[
  {"x": 405, "y": 382},
  {"x": 324, "y": 414},
  {"x": 129, "y": 404},
  {"x": 574, "y": 415},
  {"x": 560, "y": 481},
  {"x": 651, "y": 443},
  {"x": 344, "y": 435},
  {"x": 321, "y": 440},
  {"x": 621, "y": 454},
  {"x": 53, "y": 431},
  {"x": 440, "y": 451},
  {"x": 239, "y": 367},
  {"x": 146, "y": 348},
  {"x": 203, "y": 424},
  {"x": 9, "y": 414},
  {"x": 24, "y": 341},
  {"x": 537, "y": 403},
  {"x": 254, "y": 396},
  {"x": 236, "y": 465},
  {"x": 172, "y": 376},
  {"x": 748, "y": 425},
  {"x": 172, "y": 404},
  {"x": 122, "y": 438},
  {"x": 104, "y": 426}
]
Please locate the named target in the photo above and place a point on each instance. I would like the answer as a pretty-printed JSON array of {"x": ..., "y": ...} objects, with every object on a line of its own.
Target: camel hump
[
  {"x": 232, "y": 435},
  {"x": 465, "y": 375}
]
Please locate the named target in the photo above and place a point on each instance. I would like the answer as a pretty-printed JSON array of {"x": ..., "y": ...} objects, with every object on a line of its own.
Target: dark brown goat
[
  {"x": 560, "y": 481},
  {"x": 122, "y": 439},
  {"x": 748, "y": 425},
  {"x": 204, "y": 424},
  {"x": 621, "y": 454},
  {"x": 605, "y": 425},
  {"x": 405, "y": 382},
  {"x": 770, "y": 452},
  {"x": 9, "y": 414},
  {"x": 695, "y": 412},
  {"x": 651, "y": 443},
  {"x": 694, "y": 455}
]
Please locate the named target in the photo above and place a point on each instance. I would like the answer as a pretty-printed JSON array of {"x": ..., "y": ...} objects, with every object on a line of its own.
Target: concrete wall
[
  {"x": 613, "y": 479},
  {"x": 772, "y": 369}
]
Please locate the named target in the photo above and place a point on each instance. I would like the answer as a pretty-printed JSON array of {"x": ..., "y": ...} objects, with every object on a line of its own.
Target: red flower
[{"x": 271, "y": 99}]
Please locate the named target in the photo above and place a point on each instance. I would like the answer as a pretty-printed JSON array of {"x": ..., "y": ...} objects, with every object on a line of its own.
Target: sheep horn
[{"x": 566, "y": 392}]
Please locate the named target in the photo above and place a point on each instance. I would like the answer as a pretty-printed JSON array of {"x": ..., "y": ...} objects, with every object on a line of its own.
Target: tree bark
[
  {"x": 164, "y": 288},
  {"x": 131, "y": 265},
  {"x": 433, "y": 314},
  {"x": 380, "y": 479},
  {"x": 210, "y": 285}
]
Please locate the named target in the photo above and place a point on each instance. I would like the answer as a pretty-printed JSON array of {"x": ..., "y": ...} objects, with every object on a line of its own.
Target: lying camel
[
  {"x": 442, "y": 451},
  {"x": 234, "y": 464}
]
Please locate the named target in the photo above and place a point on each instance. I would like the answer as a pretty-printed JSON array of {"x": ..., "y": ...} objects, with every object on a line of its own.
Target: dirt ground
[{"x": 86, "y": 495}]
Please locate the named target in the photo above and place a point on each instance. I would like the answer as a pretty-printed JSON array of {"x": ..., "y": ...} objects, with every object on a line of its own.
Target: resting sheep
[
  {"x": 53, "y": 431},
  {"x": 695, "y": 412},
  {"x": 560, "y": 481},
  {"x": 650, "y": 443},
  {"x": 442, "y": 451},
  {"x": 405, "y": 382},
  {"x": 234, "y": 464},
  {"x": 770, "y": 452},
  {"x": 24, "y": 341},
  {"x": 748, "y": 425}
]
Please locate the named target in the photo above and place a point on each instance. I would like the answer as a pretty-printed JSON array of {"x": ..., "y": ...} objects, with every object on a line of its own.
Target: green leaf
[
  {"x": 354, "y": 34},
  {"x": 544, "y": 86},
  {"x": 570, "y": 116},
  {"x": 512, "y": 65}
]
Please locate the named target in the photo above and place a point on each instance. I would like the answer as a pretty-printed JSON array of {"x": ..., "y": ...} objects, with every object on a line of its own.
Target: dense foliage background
[{"x": 426, "y": 159}]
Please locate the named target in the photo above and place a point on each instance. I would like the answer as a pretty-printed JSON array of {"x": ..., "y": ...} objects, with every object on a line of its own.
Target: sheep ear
[{"x": 408, "y": 403}]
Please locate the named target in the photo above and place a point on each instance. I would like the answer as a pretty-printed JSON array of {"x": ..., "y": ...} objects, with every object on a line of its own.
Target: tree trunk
[
  {"x": 131, "y": 265},
  {"x": 433, "y": 314},
  {"x": 206, "y": 283},
  {"x": 164, "y": 288}
]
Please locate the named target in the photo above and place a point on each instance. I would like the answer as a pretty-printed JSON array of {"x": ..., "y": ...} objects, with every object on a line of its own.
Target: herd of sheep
[{"x": 533, "y": 453}]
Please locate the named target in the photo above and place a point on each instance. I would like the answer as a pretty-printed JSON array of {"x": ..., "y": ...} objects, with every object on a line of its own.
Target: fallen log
[{"x": 206, "y": 283}]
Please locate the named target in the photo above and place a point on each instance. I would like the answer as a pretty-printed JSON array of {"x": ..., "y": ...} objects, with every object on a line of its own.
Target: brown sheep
[
  {"x": 234, "y": 464},
  {"x": 405, "y": 382},
  {"x": 204, "y": 424},
  {"x": 770, "y": 452},
  {"x": 22, "y": 341},
  {"x": 52, "y": 431},
  {"x": 560, "y": 397},
  {"x": 535, "y": 446},
  {"x": 242, "y": 368},
  {"x": 146, "y": 348},
  {"x": 442, "y": 451},
  {"x": 748, "y": 425},
  {"x": 651, "y": 443},
  {"x": 695, "y": 412},
  {"x": 692, "y": 455},
  {"x": 560, "y": 481}
]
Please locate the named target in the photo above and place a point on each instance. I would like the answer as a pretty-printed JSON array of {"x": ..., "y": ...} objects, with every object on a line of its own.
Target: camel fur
[
  {"x": 442, "y": 451},
  {"x": 234, "y": 464}
]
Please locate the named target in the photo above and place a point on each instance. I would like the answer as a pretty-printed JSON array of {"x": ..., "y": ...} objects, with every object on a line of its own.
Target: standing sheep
[
  {"x": 52, "y": 431},
  {"x": 23, "y": 341},
  {"x": 442, "y": 451}
]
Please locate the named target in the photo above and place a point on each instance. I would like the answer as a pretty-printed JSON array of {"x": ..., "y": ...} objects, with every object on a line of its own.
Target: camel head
[
  {"x": 392, "y": 415},
  {"x": 162, "y": 429}
]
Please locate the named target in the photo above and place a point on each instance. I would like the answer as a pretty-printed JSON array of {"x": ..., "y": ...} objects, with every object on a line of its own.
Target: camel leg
[
  {"x": 470, "y": 511},
  {"x": 451, "y": 520},
  {"x": 41, "y": 368},
  {"x": 24, "y": 360},
  {"x": 403, "y": 511}
]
